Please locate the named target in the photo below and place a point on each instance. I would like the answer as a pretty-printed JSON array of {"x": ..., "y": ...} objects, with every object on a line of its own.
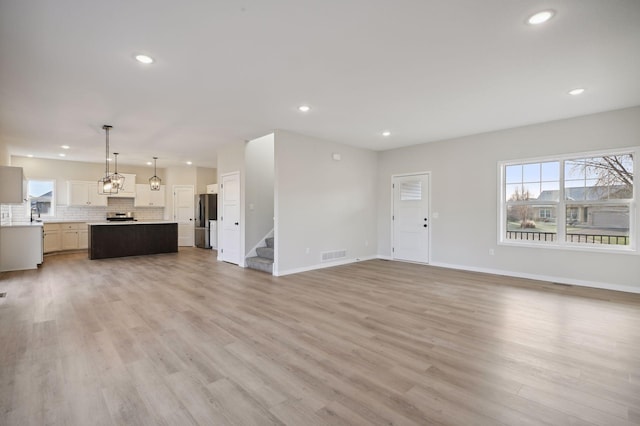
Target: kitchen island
[{"x": 120, "y": 239}]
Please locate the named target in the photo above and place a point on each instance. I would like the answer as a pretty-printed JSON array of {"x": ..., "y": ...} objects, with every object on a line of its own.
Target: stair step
[
  {"x": 265, "y": 252},
  {"x": 260, "y": 264},
  {"x": 269, "y": 242}
]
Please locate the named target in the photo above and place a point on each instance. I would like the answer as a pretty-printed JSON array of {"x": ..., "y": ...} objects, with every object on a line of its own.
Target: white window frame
[
  {"x": 27, "y": 204},
  {"x": 547, "y": 213},
  {"x": 561, "y": 205}
]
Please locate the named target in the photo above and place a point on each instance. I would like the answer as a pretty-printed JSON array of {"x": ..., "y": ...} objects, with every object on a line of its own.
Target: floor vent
[
  {"x": 3, "y": 294},
  {"x": 328, "y": 256},
  {"x": 563, "y": 284}
]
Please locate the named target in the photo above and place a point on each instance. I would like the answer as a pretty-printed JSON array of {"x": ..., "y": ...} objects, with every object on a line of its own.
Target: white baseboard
[
  {"x": 548, "y": 278},
  {"x": 322, "y": 265}
]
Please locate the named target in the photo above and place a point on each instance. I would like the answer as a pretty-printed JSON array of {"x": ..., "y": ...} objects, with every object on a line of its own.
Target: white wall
[
  {"x": 64, "y": 170},
  {"x": 204, "y": 177},
  {"x": 322, "y": 204},
  {"x": 464, "y": 184},
  {"x": 5, "y": 158},
  {"x": 259, "y": 166}
]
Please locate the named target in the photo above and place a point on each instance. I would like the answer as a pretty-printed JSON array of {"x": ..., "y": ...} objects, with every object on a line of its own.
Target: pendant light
[
  {"x": 155, "y": 181},
  {"x": 117, "y": 180},
  {"x": 105, "y": 185}
]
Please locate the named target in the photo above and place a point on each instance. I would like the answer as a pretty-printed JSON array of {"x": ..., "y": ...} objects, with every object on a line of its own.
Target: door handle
[
  {"x": 425, "y": 225},
  {"x": 237, "y": 223}
]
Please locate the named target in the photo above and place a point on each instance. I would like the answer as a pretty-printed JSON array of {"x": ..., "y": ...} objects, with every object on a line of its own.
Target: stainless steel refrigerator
[{"x": 206, "y": 211}]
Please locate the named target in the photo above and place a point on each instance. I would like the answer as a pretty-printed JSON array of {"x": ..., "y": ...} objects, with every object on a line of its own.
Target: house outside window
[
  {"x": 574, "y": 201},
  {"x": 41, "y": 200}
]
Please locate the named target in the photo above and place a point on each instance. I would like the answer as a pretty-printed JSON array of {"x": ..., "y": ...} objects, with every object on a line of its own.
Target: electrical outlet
[
  {"x": 366, "y": 243},
  {"x": 492, "y": 252},
  {"x": 307, "y": 251}
]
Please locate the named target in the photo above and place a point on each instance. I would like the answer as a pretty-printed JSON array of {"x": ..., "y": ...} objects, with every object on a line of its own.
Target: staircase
[{"x": 264, "y": 260}]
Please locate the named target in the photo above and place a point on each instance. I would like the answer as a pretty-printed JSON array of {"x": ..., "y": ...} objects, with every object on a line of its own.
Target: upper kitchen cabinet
[
  {"x": 129, "y": 190},
  {"x": 145, "y": 197},
  {"x": 84, "y": 193},
  {"x": 12, "y": 185}
]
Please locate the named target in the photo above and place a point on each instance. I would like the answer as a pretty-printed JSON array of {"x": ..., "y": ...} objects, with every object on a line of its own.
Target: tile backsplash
[{"x": 18, "y": 212}]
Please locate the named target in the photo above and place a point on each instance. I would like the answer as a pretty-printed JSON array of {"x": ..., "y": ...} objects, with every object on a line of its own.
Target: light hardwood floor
[{"x": 182, "y": 339}]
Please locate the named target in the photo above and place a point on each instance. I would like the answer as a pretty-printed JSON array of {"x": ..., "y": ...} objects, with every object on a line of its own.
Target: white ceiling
[{"x": 231, "y": 70}]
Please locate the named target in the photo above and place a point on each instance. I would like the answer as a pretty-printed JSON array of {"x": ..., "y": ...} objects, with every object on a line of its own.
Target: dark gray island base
[{"x": 111, "y": 239}]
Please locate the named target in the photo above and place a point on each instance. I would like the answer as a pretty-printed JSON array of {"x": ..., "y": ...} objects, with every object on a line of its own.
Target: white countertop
[
  {"x": 131, "y": 222},
  {"x": 22, "y": 225},
  {"x": 63, "y": 221}
]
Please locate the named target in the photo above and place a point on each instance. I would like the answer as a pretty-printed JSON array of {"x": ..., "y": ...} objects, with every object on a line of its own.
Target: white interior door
[
  {"x": 183, "y": 213},
  {"x": 230, "y": 219},
  {"x": 411, "y": 218}
]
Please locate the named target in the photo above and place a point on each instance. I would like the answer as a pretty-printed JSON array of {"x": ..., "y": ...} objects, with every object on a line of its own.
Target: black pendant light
[
  {"x": 105, "y": 185},
  {"x": 155, "y": 181}
]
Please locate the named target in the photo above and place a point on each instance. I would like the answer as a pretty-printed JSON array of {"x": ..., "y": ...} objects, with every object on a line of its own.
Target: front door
[
  {"x": 411, "y": 218},
  {"x": 230, "y": 219},
  {"x": 184, "y": 213}
]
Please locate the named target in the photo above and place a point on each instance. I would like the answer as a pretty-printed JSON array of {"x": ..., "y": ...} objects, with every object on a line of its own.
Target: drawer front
[
  {"x": 49, "y": 227},
  {"x": 69, "y": 226}
]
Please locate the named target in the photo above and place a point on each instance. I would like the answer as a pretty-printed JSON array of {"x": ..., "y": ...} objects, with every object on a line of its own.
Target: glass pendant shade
[
  {"x": 105, "y": 185},
  {"x": 117, "y": 180},
  {"x": 155, "y": 181}
]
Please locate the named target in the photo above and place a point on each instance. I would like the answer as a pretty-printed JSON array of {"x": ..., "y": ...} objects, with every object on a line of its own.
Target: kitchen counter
[
  {"x": 22, "y": 225},
  {"x": 128, "y": 238},
  {"x": 130, "y": 222},
  {"x": 63, "y": 221}
]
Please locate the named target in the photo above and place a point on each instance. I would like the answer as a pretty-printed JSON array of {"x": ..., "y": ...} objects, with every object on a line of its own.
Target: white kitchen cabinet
[
  {"x": 71, "y": 235},
  {"x": 12, "y": 185},
  {"x": 84, "y": 193},
  {"x": 65, "y": 236},
  {"x": 129, "y": 190},
  {"x": 20, "y": 247},
  {"x": 69, "y": 240},
  {"x": 145, "y": 197},
  {"x": 52, "y": 237},
  {"x": 83, "y": 237},
  {"x": 212, "y": 188}
]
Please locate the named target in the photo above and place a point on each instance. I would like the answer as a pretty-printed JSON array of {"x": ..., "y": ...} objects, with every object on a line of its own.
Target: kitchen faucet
[{"x": 37, "y": 209}]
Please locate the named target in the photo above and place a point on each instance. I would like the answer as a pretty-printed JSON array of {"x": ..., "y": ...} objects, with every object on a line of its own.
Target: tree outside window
[{"x": 569, "y": 201}]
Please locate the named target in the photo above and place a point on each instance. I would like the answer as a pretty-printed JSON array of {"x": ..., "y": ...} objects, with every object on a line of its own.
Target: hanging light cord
[{"x": 106, "y": 127}]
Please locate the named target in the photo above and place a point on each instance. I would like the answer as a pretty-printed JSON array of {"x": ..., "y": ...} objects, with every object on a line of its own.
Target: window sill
[{"x": 573, "y": 247}]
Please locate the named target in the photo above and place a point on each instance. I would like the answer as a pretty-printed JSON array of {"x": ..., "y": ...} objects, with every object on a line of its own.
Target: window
[
  {"x": 41, "y": 200},
  {"x": 574, "y": 201}
]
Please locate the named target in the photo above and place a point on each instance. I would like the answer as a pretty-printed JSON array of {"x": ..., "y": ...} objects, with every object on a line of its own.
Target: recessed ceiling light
[
  {"x": 149, "y": 163},
  {"x": 304, "y": 108},
  {"x": 65, "y": 146},
  {"x": 30, "y": 155},
  {"x": 189, "y": 163},
  {"x": 541, "y": 17},
  {"x": 386, "y": 133},
  {"x": 62, "y": 155},
  {"x": 144, "y": 59},
  {"x": 108, "y": 159},
  {"x": 576, "y": 91}
]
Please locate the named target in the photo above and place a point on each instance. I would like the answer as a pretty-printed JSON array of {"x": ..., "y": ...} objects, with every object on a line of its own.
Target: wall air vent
[{"x": 328, "y": 256}]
